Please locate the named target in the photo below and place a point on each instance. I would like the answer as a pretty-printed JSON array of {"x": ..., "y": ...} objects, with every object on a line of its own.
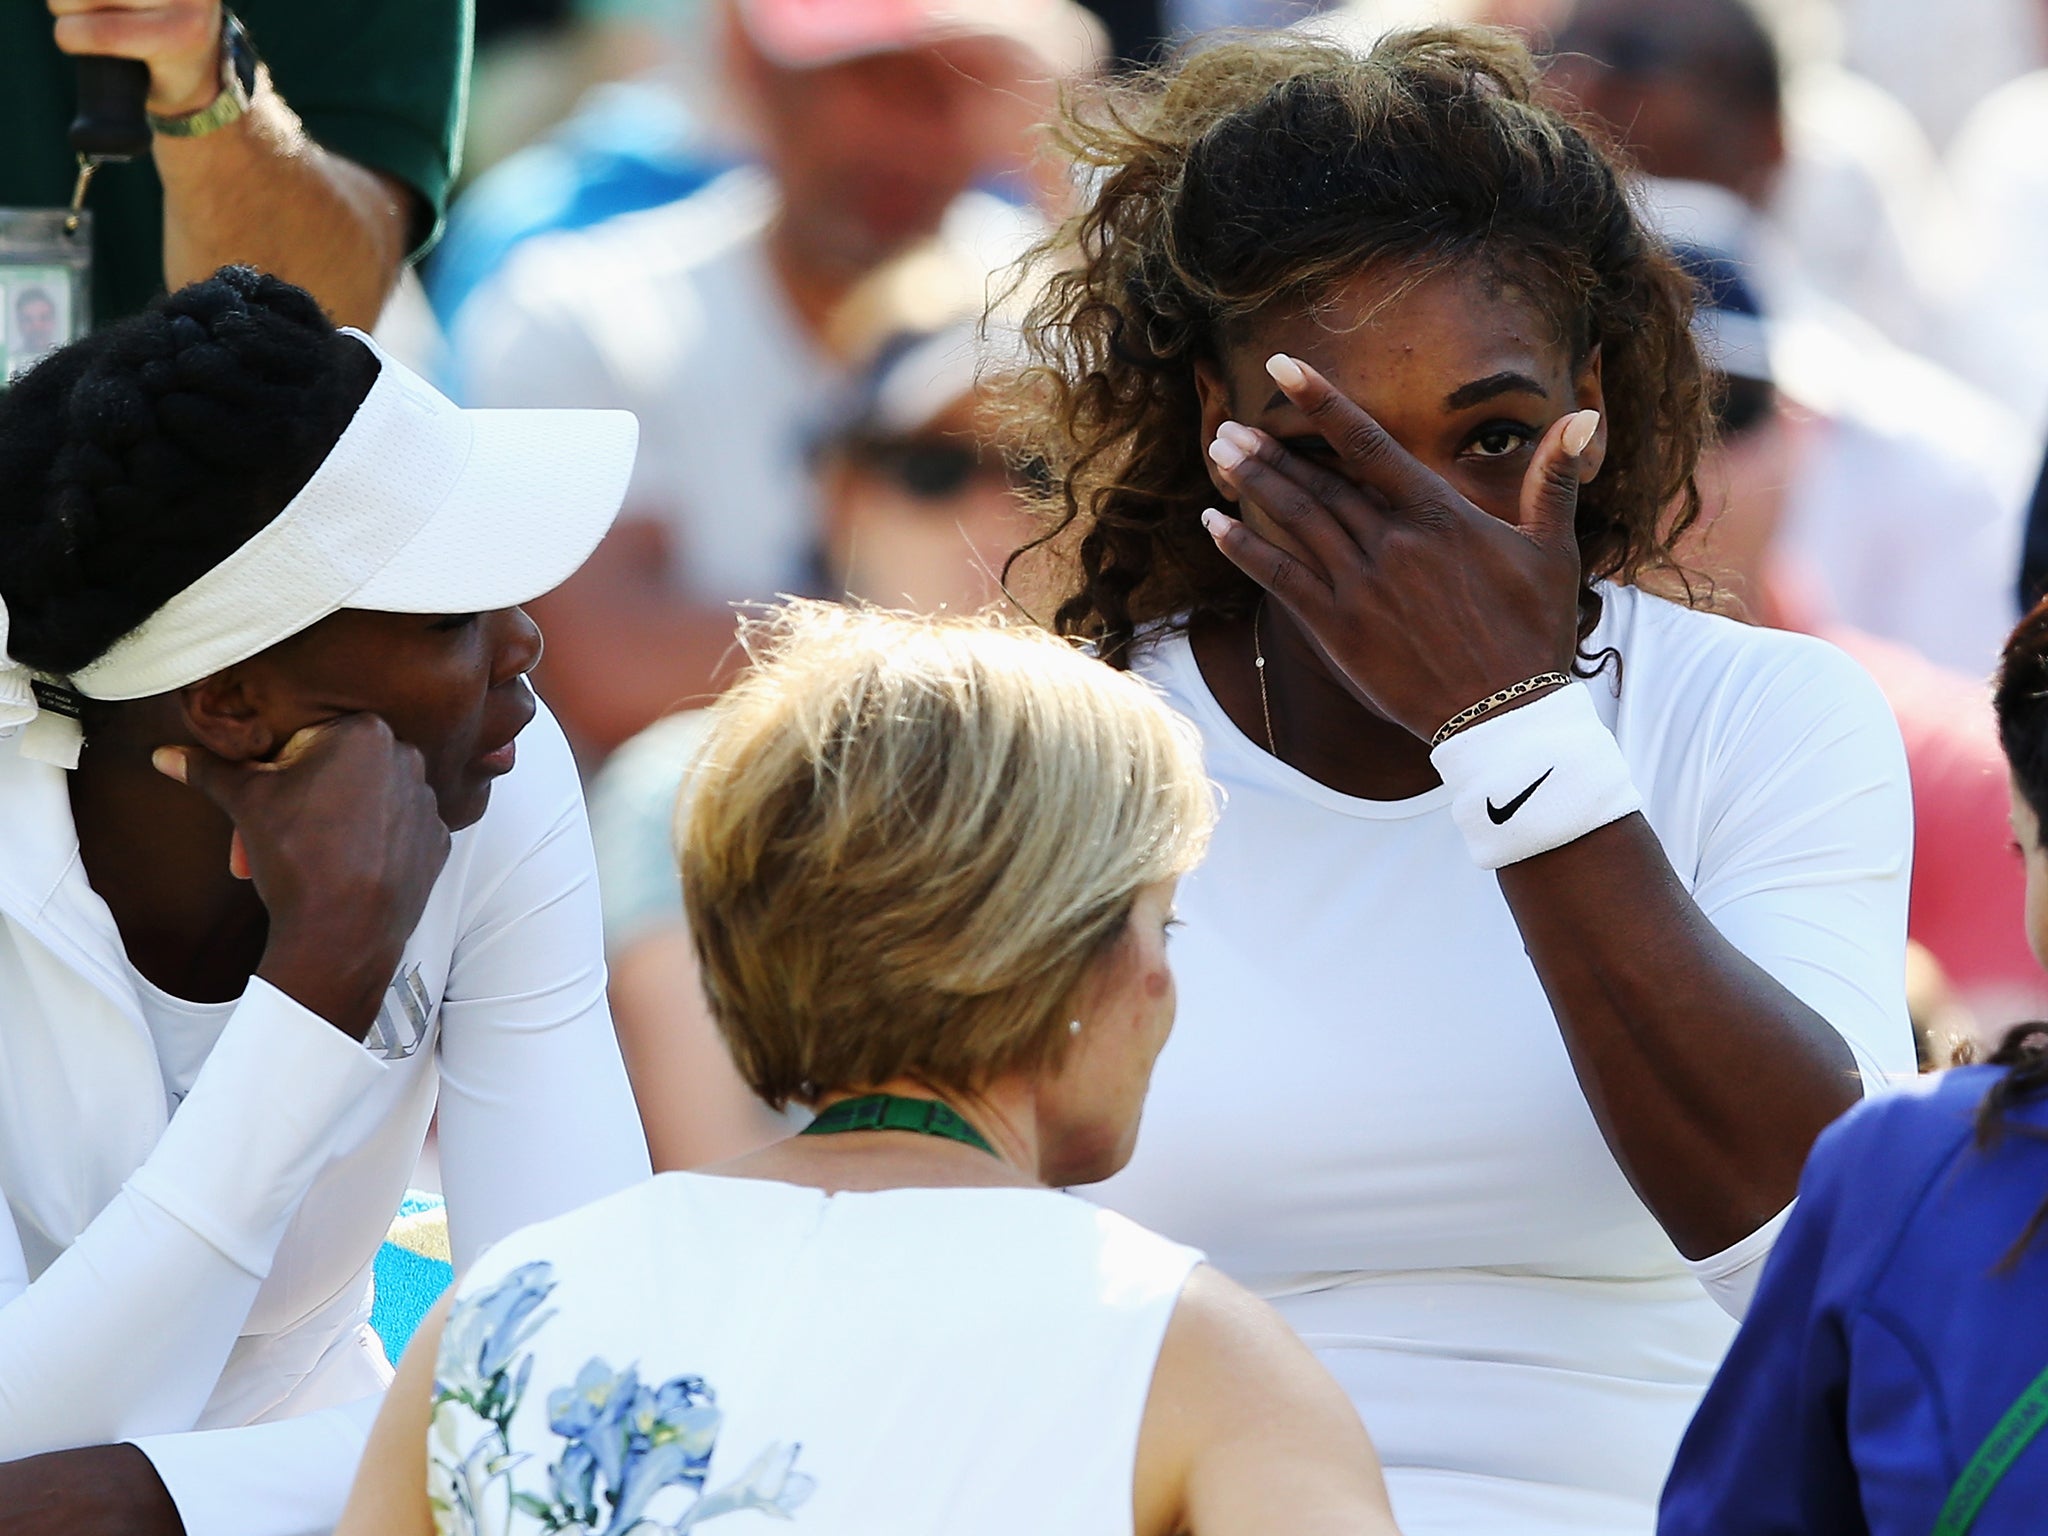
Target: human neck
[
  {"x": 1004, "y": 1112},
  {"x": 157, "y": 854},
  {"x": 1320, "y": 727}
]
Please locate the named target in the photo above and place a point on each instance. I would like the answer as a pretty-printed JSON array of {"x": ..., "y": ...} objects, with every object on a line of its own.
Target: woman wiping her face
[{"x": 1548, "y": 919}]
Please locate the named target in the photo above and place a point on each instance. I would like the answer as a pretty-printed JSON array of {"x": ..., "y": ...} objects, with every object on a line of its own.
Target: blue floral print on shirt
[{"x": 624, "y": 1442}]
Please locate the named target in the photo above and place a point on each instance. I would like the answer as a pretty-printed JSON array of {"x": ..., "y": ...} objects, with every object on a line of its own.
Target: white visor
[{"x": 420, "y": 507}]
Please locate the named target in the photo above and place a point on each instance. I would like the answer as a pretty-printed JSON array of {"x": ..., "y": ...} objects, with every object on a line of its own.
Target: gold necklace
[{"x": 1259, "y": 665}]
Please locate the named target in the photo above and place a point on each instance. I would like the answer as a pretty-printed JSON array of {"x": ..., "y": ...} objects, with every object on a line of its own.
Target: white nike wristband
[{"x": 1532, "y": 779}]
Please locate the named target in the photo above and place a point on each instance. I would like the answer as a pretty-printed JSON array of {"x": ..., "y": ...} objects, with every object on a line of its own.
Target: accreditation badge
[{"x": 45, "y": 283}]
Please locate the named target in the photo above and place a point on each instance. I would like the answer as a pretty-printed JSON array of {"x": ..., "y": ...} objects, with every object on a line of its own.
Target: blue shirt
[
  {"x": 1885, "y": 1341},
  {"x": 628, "y": 146}
]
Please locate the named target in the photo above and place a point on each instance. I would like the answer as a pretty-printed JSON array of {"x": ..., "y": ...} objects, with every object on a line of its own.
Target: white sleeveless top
[{"x": 773, "y": 1358}]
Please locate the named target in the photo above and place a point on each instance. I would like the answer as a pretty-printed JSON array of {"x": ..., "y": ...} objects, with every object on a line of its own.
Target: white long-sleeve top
[{"x": 197, "y": 1281}]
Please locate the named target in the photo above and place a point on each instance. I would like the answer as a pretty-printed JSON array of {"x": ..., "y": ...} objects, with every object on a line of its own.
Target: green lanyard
[
  {"x": 2025, "y": 1419},
  {"x": 886, "y": 1112}
]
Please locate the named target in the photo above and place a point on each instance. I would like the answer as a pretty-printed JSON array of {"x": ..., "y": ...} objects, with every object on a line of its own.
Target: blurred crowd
[
  {"x": 885, "y": 288},
  {"x": 758, "y": 249}
]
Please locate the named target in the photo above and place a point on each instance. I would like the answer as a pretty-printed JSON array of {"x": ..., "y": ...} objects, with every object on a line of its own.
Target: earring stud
[{"x": 1073, "y": 1026}]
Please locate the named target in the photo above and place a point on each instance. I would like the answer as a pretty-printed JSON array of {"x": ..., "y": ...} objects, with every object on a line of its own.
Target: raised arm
[
  {"x": 1717, "y": 1032},
  {"x": 263, "y": 190},
  {"x": 1709, "y": 1074},
  {"x": 125, "y": 1334}
]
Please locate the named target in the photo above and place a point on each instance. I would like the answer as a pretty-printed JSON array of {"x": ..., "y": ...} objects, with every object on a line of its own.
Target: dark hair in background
[
  {"x": 1725, "y": 46},
  {"x": 138, "y": 458},
  {"x": 2020, "y": 700},
  {"x": 1260, "y": 174}
]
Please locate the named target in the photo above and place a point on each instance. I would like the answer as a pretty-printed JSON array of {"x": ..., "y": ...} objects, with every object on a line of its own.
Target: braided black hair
[{"x": 135, "y": 460}]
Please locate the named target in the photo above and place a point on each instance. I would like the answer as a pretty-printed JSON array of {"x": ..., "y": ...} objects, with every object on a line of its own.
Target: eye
[
  {"x": 1316, "y": 450},
  {"x": 453, "y": 621},
  {"x": 1170, "y": 924},
  {"x": 1500, "y": 440}
]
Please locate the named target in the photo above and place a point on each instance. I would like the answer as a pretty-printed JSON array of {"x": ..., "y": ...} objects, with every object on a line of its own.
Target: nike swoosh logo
[{"x": 1498, "y": 814}]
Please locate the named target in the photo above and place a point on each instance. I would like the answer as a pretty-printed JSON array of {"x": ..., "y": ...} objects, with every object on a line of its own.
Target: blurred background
[{"x": 774, "y": 242}]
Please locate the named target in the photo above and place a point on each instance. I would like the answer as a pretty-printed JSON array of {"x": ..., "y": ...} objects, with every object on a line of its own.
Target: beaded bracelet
[{"x": 1493, "y": 701}]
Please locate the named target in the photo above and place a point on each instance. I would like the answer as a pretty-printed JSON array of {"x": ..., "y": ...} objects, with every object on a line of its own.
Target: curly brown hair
[{"x": 1263, "y": 172}]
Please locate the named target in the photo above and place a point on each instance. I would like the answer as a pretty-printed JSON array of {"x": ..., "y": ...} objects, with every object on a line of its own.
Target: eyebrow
[
  {"x": 1505, "y": 383},
  {"x": 1493, "y": 384}
]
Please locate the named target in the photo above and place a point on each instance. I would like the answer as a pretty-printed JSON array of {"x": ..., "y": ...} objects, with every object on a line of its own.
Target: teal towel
[{"x": 413, "y": 1269}]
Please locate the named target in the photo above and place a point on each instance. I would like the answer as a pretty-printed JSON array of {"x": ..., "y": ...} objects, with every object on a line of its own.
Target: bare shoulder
[{"x": 1246, "y": 1432}]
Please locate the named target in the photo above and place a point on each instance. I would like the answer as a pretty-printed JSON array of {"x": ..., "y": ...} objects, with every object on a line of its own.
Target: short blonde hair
[{"x": 907, "y": 837}]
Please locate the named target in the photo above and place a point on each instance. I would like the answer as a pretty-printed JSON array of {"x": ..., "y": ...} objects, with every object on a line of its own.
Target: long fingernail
[
  {"x": 1244, "y": 437},
  {"x": 1225, "y": 452},
  {"x": 1215, "y": 522},
  {"x": 1285, "y": 371},
  {"x": 170, "y": 762},
  {"x": 1579, "y": 431}
]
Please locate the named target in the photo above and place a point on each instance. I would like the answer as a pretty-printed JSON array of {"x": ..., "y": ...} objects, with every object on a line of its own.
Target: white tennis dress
[{"x": 752, "y": 1356}]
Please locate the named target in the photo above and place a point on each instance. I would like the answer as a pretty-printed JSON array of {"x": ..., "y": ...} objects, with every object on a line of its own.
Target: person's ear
[
  {"x": 1213, "y": 395},
  {"x": 226, "y": 714},
  {"x": 1589, "y": 394}
]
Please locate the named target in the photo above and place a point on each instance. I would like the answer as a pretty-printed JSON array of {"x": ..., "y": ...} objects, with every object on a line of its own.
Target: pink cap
[{"x": 805, "y": 34}]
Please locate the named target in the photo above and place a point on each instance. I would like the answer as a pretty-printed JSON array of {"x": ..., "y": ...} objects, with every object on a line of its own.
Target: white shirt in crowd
[
  {"x": 675, "y": 314},
  {"x": 1906, "y": 537},
  {"x": 196, "y": 1278},
  {"x": 1940, "y": 62},
  {"x": 2000, "y": 327},
  {"x": 1908, "y": 506},
  {"x": 911, "y": 1362},
  {"x": 1905, "y": 509},
  {"x": 1367, "y": 1112},
  {"x": 1860, "y": 206}
]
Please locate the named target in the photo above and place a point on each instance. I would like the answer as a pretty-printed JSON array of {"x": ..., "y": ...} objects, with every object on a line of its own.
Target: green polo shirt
[{"x": 381, "y": 82}]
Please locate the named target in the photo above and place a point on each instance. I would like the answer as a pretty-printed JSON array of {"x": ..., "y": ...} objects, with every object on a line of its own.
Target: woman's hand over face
[
  {"x": 341, "y": 835},
  {"x": 1426, "y": 603}
]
